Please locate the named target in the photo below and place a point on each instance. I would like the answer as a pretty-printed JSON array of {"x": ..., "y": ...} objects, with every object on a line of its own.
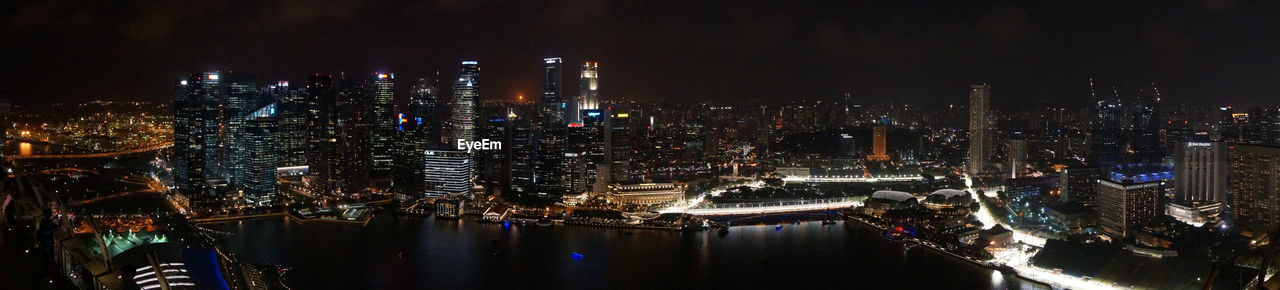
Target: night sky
[{"x": 1214, "y": 52}]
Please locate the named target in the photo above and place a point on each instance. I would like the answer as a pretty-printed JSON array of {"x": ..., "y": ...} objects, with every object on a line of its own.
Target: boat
[{"x": 828, "y": 222}]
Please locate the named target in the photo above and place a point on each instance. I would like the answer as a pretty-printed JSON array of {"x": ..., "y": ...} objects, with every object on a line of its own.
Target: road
[{"x": 90, "y": 155}]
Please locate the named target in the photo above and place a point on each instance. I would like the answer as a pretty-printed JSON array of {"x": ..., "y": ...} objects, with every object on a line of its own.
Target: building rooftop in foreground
[{"x": 892, "y": 195}]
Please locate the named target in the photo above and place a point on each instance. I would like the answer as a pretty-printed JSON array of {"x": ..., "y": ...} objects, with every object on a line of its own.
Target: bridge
[
  {"x": 90, "y": 155},
  {"x": 770, "y": 207},
  {"x": 851, "y": 178}
]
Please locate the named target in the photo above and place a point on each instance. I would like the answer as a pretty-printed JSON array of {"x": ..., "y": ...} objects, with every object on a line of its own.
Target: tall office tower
[
  {"x": 1147, "y": 144},
  {"x": 1255, "y": 188},
  {"x": 979, "y": 128},
  {"x": 1273, "y": 128},
  {"x": 291, "y": 106},
  {"x": 1225, "y": 128},
  {"x": 195, "y": 134},
  {"x": 354, "y": 129},
  {"x": 494, "y": 164},
  {"x": 5, "y": 107},
  {"x": 521, "y": 146},
  {"x": 260, "y": 156},
  {"x": 549, "y": 176},
  {"x": 879, "y": 144},
  {"x": 466, "y": 96},
  {"x": 447, "y": 172},
  {"x": 1254, "y": 128},
  {"x": 418, "y": 130},
  {"x": 1200, "y": 182},
  {"x": 383, "y": 129},
  {"x": 1122, "y": 205},
  {"x": 588, "y": 90},
  {"x": 1106, "y": 133},
  {"x": 1016, "y": 157},
  {"x": 591, "y": 145},
  {"x": 322, "y": 133},
  {"x": 619, "y": 147},
  {"x": 1080, "y": 185},
  {"x": 241, "y": 99}
]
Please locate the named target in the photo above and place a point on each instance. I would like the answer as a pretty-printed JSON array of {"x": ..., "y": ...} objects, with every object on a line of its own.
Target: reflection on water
[
  {"x": 414, "y": 253},
  {"x": 24, "y": 149}
]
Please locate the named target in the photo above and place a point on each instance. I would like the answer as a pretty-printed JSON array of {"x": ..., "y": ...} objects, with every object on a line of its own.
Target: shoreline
[{"x": 957, "y": 256}]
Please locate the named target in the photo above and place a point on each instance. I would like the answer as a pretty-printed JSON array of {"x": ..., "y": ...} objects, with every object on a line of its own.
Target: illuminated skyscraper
[
  {"x": 1107, "y": 134},
  {"x": 619, "y": 146},
  {"x": 418, "y": 129},
  {"x": 588, "y": 90},
  {"x": 195, "y": 129},
  {"x": 979, "y": 128},
  {"x": 1016, "y": 156},
  {"x": 292, "y": 115},
  {"x": 1255, "y": 188},
  {"x": 260, "y": 156},
  {"x": 381, "y": 107},
  {"x": 879, "y": 144},
  {"x": 1080, "y": 185},
  {"x": 466, "y": 95},
  {"x": 322, "y": 132},
  {"x": 549, "y": 163}
]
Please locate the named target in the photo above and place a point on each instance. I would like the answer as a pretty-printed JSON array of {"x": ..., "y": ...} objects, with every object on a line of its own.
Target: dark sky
[{"x": 1214, "y": 52}]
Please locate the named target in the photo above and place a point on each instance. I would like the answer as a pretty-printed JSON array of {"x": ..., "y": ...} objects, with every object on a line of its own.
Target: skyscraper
[
  {"x": 418, "y": 130},
  {"x": 1016, "y": 156},
  {"x": 549, "y": 177},
  {"x": 355, "y": 126},
  {"x": 382, "y": 98},
  {"x": 322, "y": 133},
  {"x": 447, "y": 173},
  {"x": 1146, "y": 143},
  {"x": 292, "y": 111},
  {"x": 195, "y": 134},
  {"x": 466, "y": 95},
  {"x": 979, "y": 128},
  {"x": 240, "y": 100},
  {"x": 1106, "y": 136},
  {"x": 879, "y": 144},
  {"x": 1200, "y": 181},
  {"x": 619, "y": 146},
  {"x": 1255, "y": 188},
  {"x": 1122, "y": 205},
  {"x": 260, "y": 156},
  {"x": 588, "y": 90}
]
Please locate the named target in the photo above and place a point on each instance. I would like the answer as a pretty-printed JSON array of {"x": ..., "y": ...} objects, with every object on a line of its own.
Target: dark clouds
[{"x": 1214, "y": 51}]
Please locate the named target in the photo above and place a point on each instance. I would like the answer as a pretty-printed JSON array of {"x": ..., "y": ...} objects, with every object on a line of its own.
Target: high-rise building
[
  {"x": 1200, "y": 182},
  {"x": 549, "y": 176},
  {"x": 619, "y": 146},
  {"x": 1255, "y": 188},
  {"x": 291, "y": 106},
  {"x": 1123, "y": 205},
  {"x": 590, "y": 143},
  {"x": 979, "y": 128},
  {"x": 879, "y": 144},
  {"x": 322, "y": 133},
  {"x": 195, "y": 134},
  {"x": 1146, "y": 143},
  {"x": 521, "y": 150},
  {"x": 447, "y": 172},
  {"x": 1080, "y": 185},
  {"x": 466, "y": 96},
  {"x": 588, "y": 90},
  {"x": 383, "y": 129},
  {"x": 1106, "y": 136},
  {"x": 260, "y": 156},
  {"x": 355, "y": 126},
  {"x": 848, "y": 145},
  {"x": 240, "y": 100},
  {"x": 418, "y": 129},
  {"x": 1016, "y": 157}
]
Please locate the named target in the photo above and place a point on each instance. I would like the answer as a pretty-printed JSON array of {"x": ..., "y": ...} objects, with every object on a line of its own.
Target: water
[{"x": 394, "y": 252}]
